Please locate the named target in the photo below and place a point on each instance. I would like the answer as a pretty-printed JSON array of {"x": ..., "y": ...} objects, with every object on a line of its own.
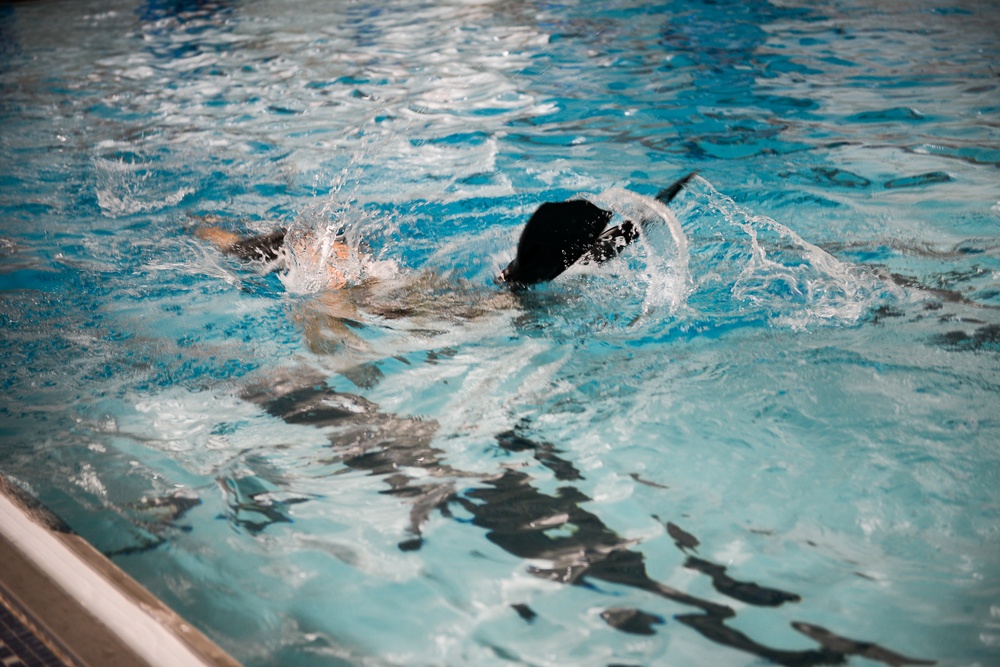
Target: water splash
[
  {"x": 723, "y": 266},
  {"x": 755, "y": 268},
  {"x": 667, "y": 273},
  {"x": 125, "y": 187},
  {"x": 319, "y": 255},
  {"x": 705, "y": 263}
]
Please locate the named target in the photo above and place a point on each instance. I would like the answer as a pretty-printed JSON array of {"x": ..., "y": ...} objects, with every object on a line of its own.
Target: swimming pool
[{"x": 766, "y": 434}]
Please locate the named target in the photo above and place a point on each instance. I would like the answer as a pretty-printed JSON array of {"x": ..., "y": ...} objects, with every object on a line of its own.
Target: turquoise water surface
[{"x": 767, "y": 433}]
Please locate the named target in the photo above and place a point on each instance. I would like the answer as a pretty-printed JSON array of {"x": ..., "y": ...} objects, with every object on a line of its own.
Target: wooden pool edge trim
[{"x": 88, "y": 603}]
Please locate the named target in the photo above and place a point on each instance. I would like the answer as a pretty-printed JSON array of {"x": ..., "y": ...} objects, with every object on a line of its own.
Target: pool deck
[{"x": 64, "y": 603}]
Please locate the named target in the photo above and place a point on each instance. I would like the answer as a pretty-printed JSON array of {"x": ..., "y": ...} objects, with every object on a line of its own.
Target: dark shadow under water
[{"x": 526, "y": 522}]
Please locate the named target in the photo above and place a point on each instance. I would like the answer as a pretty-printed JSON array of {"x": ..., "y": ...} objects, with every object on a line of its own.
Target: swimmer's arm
[
  {"x": 262, "y": 248},
  {"x": 612, "y": 241}
]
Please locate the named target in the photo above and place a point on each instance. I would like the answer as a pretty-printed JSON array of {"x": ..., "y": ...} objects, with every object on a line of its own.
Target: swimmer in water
[{"x": 558, "y": 235}]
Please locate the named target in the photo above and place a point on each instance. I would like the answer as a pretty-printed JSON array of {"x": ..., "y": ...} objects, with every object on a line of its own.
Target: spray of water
[
  {"x": 125, "y": 187},
  {"x": 772, "y": 272},
  {"x": 667, "y": 274},
  {"x": 322, "y": 259}
]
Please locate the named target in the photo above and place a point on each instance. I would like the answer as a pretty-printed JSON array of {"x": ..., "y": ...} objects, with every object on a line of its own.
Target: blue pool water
[{"x": 767, "y": 433}]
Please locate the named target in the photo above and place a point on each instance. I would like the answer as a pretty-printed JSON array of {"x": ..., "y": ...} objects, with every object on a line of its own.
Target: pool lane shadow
[{"x": 63, "y": 603}]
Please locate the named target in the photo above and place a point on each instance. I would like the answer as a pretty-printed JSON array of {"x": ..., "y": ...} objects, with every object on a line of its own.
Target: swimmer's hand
[{"x": 220, "y": 238}]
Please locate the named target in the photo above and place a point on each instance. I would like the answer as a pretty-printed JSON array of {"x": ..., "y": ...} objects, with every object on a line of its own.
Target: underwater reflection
[{"x": 579, "y": 548}]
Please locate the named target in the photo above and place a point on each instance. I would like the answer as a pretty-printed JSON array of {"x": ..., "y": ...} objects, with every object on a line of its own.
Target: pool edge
[{"x": 80, "y": 604}]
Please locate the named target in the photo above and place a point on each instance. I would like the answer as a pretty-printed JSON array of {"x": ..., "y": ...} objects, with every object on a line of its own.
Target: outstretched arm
[
  {"x": 611, "y": 243},
  {"x": 262, "y": 248}
]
